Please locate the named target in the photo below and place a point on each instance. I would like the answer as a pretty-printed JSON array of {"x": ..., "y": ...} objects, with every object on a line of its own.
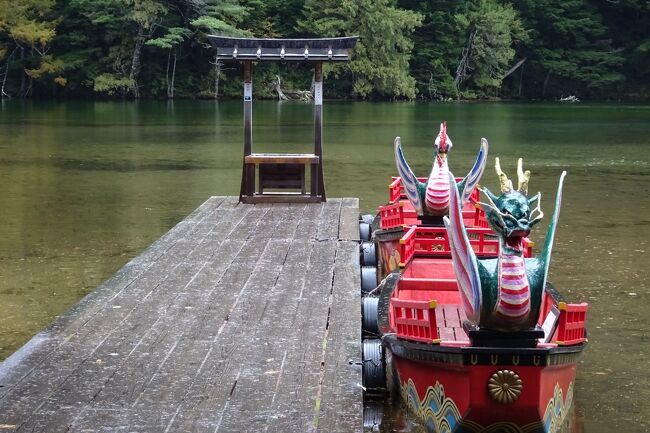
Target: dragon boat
[
  {"x": 472, "y": 335},
  {"x": 422, "y": 202}
]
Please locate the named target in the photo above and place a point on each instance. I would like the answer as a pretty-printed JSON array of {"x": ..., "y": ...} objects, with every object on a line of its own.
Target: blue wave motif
[{"x": 441, "y": 415}]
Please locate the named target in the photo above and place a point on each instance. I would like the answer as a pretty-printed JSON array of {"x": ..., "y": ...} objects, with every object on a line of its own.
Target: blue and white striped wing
[
  {"x": 474, "y": 176},
  {"x": 409, "y": 180},
  {"x": 466, "y": 267}
]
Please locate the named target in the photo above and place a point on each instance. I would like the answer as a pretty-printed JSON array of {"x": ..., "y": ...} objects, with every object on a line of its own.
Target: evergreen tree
[
  {"x": 170, "y": 42},
  {"x": 223, "y": 18},
  {"x": 492, "y": 31},
  {"x": 438, "y": 45},
  {"x": 570, "y": 50},
  {"x": 433, "y": 49},
  {"x": 628, "y": 22},
  {"x": 380, "y": 64}
]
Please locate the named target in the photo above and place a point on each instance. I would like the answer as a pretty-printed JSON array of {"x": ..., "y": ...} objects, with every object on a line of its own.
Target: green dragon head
[{"x": 510, "y": 214}]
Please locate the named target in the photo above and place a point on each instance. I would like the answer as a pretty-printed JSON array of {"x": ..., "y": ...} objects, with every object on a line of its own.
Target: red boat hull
[{"x": 448, "y": 390}]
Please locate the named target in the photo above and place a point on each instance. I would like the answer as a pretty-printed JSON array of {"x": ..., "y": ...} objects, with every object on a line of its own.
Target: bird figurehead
[
  {"x": 442, "y": 143},
  {"x": 511, "y": 214}
]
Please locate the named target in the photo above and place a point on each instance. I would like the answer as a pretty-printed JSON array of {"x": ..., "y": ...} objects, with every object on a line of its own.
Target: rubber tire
[
  {"x": 365, "y": 231},
  {"x": 369, "y": 314},
  {"x": 368, "y": 254},
  {"x": 373, "y": 371},
  {"x": 373, "y": 413},
  {"x": 368, "y": 278},
  {"x": 368, "y": 219}
]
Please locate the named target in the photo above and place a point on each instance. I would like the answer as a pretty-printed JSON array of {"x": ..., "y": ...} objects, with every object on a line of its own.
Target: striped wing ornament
[
  {"x": 409, "y": 180},
  {"x": 474, "y": 176},
  {"x": 466, "y": 266}
]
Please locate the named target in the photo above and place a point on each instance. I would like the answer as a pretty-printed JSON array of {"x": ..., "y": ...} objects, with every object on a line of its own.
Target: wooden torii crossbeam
[{"x": 282, "y": 171}]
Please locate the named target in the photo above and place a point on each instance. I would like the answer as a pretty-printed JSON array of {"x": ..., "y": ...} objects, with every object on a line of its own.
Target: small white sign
[
  {"x": 318, "y": 93},
  {"x": 549, "y": 325},
  {"x": 248, "y": 91}
]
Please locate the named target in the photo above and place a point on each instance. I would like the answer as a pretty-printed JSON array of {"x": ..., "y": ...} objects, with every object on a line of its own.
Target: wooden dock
[{"x": 242, "y": 318}]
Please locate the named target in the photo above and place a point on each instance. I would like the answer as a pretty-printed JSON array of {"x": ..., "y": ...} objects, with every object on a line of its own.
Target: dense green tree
[
  {"x": 27, "y": 26},
  {"x": 570, "y": 51},
  {"x": 125, "y": 26},
  {"x": 226, "y": 18},
  {"x": 437, "y": 47},
  {"x": 380, "y": 65},
  {"x": 170, "y": 42},
  {"x": 628, "y": 22},
  {"x": 432, "y": 49},
  {"x": 493, "y": 29}
]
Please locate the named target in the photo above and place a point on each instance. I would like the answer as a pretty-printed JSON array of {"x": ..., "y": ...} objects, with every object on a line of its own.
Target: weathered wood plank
[
  {"x": 308, "y": 225},
  {"x": 295, "y": 405},
  {"x": 61, "y": 369},
  {"x": 69, "y": 359},
  {"x": 23, "y": 361},
  {"x": 349, "y": 221},
  {"x": 341, "y": 397},
  {"x": 185, "y": 315},
  {"x": 328, "y": 224},
  {"x": 229, "y": 322},
  {"x": 294, "y": 347}
]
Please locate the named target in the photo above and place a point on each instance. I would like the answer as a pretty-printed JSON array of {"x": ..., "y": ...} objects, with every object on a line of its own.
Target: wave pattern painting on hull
[
  {"x": 438, "y": 412},
  {"x": 441, "y": 415},
  {"x": 557, "y": 409}
]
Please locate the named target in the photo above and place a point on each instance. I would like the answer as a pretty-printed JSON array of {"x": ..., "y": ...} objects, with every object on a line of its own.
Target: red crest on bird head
[{"x": 443, "y": 143}]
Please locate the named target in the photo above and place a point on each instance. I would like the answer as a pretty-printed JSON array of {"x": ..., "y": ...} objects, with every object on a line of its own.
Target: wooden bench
[{"x": 282, "y": 171}]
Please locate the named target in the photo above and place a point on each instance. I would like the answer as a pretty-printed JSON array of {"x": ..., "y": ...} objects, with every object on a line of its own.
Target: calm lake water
[{"x": 86, "y": 186}]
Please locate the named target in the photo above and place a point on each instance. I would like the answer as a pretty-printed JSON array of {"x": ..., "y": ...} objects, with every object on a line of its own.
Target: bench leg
[{"x": 314, "y": 180}]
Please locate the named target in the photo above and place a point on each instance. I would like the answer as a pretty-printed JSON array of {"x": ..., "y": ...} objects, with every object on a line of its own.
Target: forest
[{"x": 408, "y": 49}]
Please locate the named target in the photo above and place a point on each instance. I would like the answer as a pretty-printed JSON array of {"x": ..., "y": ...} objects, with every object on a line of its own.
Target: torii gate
[{"x": 284, "y": 171}]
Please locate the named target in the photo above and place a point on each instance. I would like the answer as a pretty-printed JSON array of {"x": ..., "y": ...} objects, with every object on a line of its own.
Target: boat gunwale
[{"x": 471, "y": 355}]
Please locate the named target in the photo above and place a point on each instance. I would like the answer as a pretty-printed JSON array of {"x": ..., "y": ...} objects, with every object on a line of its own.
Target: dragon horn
[
  {"x": 523, "y": 177},
  {"x": 506, "y": 184}
]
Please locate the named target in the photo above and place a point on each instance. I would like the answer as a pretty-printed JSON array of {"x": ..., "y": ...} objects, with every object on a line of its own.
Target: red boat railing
[
  {"x": 391, "y": 215},
  {"x": 394, "y": 215},
  {"x": 571, "y": 324},
  {"x": 432, "y": 242},
  {"x": 415, "y": 320},
  {"x": 395, "y": 190}
]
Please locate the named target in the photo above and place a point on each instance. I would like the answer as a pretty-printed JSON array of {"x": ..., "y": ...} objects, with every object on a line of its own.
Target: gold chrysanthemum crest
[{"x": 505, "y": 386}]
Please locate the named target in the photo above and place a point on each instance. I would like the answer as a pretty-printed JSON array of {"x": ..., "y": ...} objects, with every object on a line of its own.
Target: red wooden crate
[
  {"x": 571, "y": 324},
  {"x": 415, "y": 320},
  {"x": 391, "y": 215},
  {"x": 395, "y": 190}
]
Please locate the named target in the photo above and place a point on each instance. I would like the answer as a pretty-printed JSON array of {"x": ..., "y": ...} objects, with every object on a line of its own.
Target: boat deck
[
  {"x": 450, "y": 319},
  {"x": 433, "y": 279},
  {"x": 241, "y": 318}
]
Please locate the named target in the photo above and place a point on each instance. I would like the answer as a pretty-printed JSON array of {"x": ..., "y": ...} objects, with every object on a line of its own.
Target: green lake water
[{"x": 86, "y": 186}]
